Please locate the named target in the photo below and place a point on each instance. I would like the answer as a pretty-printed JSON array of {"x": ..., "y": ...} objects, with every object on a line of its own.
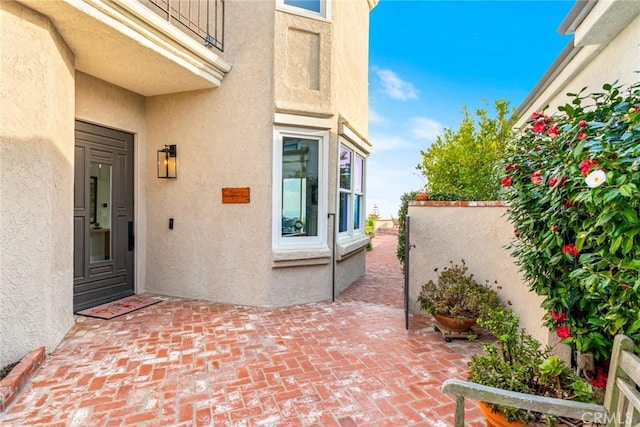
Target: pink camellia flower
[
  {"x": 536, "y": 177},
  {"x": 582, "y": 135},
  {"x": 555, "y": 180},
  {"x": 506, "y": 181},
  {"x": 539, "y": 127},
  {"x": 511, "y": 167},
  {"x": 563, "y": 332},
  {"x": 570, "y": 249},
  {"x": 535, "y": 115},
  {"x": 553, "y": 131},
  {"x": 558, "y": 317},
  {"x": 586, "y": 165},
  {"x": 582, "y": 123}
]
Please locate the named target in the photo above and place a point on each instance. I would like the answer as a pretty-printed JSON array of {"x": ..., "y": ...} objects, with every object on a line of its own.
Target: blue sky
[{"x": 429, "y": 58}]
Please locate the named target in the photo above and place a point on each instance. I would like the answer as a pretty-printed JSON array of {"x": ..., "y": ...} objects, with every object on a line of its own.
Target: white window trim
[
  {"x": 324, "y": 15},
  {"x": 351, "y": 233},
  {"x": 308, "y": 242}
]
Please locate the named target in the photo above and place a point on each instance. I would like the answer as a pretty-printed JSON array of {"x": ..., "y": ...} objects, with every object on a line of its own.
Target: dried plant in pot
[
  {"x": 456, "y": 300},
  {"x": 516, "y": 362}
]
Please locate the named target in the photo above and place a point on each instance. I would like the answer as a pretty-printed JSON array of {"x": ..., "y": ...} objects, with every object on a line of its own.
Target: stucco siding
[
  {"x": 216, "y": 251},
  {"x": 351, "y": 64},
  {"x": 300, "y": 285},
  {"x": 302, "y": 65},
  {"x": 350, "y": 269},
  {"x": 36, "y": 183}
]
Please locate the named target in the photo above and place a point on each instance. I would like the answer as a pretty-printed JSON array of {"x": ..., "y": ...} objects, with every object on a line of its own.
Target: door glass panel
[{"x": 100, "y": 212}]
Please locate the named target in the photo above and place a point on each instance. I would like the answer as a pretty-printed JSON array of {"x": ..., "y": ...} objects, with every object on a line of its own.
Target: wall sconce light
[{"x": 167, "y": 167}]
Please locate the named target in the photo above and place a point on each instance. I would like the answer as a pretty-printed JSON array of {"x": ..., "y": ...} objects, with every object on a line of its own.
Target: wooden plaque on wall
[{"x": 236, "y": 195}]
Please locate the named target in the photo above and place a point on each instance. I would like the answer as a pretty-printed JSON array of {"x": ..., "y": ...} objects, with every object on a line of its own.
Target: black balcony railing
[{"x": 204, "y": 19}]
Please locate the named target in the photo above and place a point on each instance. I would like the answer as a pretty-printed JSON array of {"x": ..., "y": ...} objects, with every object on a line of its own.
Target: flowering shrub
[{"x": 571, "y": 181}]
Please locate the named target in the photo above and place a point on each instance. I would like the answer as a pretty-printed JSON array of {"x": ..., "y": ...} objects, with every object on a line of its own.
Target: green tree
[{"x": 466, "y": 161}]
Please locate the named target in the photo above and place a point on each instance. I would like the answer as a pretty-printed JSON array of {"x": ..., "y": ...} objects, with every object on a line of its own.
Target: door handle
[{"x": 130, "y": 234}]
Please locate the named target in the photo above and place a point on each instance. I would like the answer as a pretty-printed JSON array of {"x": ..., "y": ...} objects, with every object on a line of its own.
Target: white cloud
[
  {"x": 395, "y": 87},
  {"x": 425, "y": 128},
  {"x": 374, "y": 117},
  {"x": 386, "y": 142}
]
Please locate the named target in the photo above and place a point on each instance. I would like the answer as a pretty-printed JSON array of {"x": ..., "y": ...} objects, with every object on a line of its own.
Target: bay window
[
  {"x": 300, "y": 208},
  {"x": 351, "y": 191}
]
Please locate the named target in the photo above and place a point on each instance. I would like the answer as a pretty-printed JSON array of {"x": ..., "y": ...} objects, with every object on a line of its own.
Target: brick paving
[{"x": 193, "y": 363}]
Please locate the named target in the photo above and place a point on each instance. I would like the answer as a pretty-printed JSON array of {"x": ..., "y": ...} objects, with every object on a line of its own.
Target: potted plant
[
  {"x": 456, "y": 300},
  {"x": 422, "y": 196},
  {"x": 516, "y": 362}
]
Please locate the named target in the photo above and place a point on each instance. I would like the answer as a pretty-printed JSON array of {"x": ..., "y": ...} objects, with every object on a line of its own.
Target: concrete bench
[{"x": 621, "y": 402}]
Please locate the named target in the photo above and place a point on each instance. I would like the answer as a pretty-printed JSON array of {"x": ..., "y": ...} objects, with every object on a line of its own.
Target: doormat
[{"x": 118, "y": 308}]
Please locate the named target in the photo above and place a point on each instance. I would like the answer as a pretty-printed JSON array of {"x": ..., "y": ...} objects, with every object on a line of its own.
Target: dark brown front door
[{"x": 103, "y": 215}]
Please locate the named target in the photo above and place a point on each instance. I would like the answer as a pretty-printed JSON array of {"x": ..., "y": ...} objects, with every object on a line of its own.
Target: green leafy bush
[
  {"x": 516, "y": 362},
  {"x": 402, "y": 219},
  {"x": 466, "y": 161},
  {"x": 571, "y": 181}
]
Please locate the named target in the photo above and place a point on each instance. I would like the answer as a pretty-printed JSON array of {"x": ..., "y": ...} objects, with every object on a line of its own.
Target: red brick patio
[{"x": 187, "y": 363}]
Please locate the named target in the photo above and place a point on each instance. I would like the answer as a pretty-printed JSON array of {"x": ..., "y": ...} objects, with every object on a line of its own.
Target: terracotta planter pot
[
  {"x": 496, "y": 419},
  {"x": 421, "y": 197},
  {"x": 454, "y": 325}
]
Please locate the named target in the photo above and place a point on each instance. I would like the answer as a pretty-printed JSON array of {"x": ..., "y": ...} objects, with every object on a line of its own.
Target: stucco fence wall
[{"x": 476, "y": 232}]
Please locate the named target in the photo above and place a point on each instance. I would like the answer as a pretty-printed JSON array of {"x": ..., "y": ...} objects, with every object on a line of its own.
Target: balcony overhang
[{"x": 126, "y": 44}]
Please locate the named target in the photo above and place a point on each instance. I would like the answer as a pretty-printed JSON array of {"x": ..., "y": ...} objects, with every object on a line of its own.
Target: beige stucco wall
[
  {"x": 592, "y": 66},
  {"x": 302, "y": 64},
  {"x": 478, "y": 235},
  {"x": 219, "y": 252},
  {"x": 349, "y": 269},
  {"x": 350, "y": 66},
  {"x": 36, "y": 183},
  {"x": 107, "y": 105},
  {"x": 222, "y": 252},
  {"x": 350, "y": 85}
]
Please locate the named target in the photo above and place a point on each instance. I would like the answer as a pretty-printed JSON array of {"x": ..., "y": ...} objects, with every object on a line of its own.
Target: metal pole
[
  {"x": 333, "y": 258},
  {"x": 407, "y": 249}
]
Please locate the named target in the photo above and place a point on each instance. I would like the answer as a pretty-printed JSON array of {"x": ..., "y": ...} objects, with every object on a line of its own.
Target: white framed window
[
  {"x": 309, "y": 8},
  {"x": 300, "y": 188},
  {"x": 351, "y": 191}
]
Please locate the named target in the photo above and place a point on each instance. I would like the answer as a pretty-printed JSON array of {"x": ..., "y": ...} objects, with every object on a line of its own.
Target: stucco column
[{"x": 36, "y": 183}]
